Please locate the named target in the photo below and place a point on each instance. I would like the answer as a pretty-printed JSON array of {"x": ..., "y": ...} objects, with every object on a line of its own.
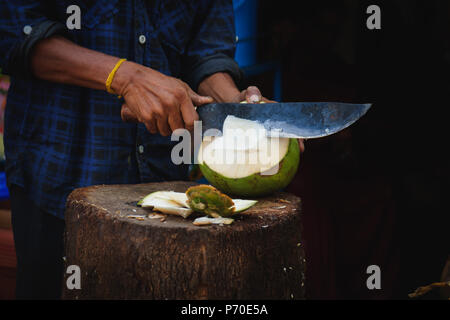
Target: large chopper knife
[{"x": 307, "y": 120}]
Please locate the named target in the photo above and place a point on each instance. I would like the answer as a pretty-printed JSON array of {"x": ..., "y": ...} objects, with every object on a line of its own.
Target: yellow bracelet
[{"x": 111, "y": 76}]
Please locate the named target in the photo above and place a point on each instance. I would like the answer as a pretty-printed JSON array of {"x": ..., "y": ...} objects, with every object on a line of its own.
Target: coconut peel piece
[
  {"x": 148, "y": 198},
  {"x": 155, "y": 215},
  {"x": 204, "y": 221},
  {"x": 158, "y": 201},
  {"x": 181, "y": 198},
  {"x": 208, "y": 200},
  {"x": 242, "y": 205},
  {"x": 178, "y": 211},
  {"x": 137, "y": 217},
  {"x": 178, "y": 197}
]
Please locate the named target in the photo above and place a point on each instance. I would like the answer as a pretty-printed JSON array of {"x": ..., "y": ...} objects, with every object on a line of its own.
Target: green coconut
[{"x": 274, "y": 168}]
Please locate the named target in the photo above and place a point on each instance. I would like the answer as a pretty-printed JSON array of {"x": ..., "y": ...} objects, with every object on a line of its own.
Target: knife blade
[{"x": 306, "y": 120}]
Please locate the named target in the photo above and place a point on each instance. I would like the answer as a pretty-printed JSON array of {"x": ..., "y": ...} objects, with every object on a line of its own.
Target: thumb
[
  {"x": 253, "y": 95},
  {"x": 199, "y": 100},
  {"x": 301, "y": 144}
]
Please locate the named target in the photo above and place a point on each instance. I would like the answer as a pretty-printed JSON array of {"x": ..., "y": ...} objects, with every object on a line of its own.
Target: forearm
[
  {"x": 162, "y": 103},
  {"x": 59, "y": 60},
  {"x": 221, "y": 87}
]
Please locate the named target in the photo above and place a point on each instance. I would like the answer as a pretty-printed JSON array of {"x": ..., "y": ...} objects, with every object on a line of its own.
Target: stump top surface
[{"x": 120, "y": 202}]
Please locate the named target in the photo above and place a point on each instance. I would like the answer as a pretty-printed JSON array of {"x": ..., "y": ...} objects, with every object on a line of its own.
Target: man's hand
[
  {"x": 221, "y": 87},
  {"x": 251, "y": 95},
  {"x": 162, "y": 103}
]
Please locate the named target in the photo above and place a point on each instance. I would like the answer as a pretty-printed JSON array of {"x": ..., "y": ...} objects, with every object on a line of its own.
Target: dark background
[{"x": 375, "y": 193}]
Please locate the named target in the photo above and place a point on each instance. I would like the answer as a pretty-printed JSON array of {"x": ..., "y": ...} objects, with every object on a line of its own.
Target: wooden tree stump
[{"x": 259, "y": 256}]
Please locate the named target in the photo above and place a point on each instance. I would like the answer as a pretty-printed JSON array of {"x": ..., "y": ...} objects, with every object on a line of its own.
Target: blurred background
[
  {"x": 374, "y": 194},
  {"x": 7, "y": 252}
]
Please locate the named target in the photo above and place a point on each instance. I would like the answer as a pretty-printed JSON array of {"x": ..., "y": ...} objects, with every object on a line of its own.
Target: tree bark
[{"x": 259, "y": 256}]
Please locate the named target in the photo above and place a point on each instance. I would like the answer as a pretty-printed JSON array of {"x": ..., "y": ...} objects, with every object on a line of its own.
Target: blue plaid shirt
[{"x": 60, "y": 137}]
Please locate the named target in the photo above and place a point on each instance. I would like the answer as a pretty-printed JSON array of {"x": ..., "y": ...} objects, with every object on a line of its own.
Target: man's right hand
[{"x": 162, "y": 103}]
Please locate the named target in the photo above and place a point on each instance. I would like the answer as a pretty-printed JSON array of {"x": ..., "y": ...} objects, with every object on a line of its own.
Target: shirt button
[
  {"x": 142, "y": 39},
  {"x": 237, "y": 38},
  {"x": 141, "y": 149},
  {"x": 27, "y": 30}
]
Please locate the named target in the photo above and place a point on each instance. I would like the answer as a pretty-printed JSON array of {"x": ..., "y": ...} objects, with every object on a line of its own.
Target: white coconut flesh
[
  {"x": 171, "y": 202},
  {"x": 243, "y": 150}
]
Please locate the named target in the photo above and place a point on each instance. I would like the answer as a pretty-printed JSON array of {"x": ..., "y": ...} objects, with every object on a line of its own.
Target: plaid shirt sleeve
[
  {"x": 213, "y": 45},
  {"x": 18, "y": 19}
]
